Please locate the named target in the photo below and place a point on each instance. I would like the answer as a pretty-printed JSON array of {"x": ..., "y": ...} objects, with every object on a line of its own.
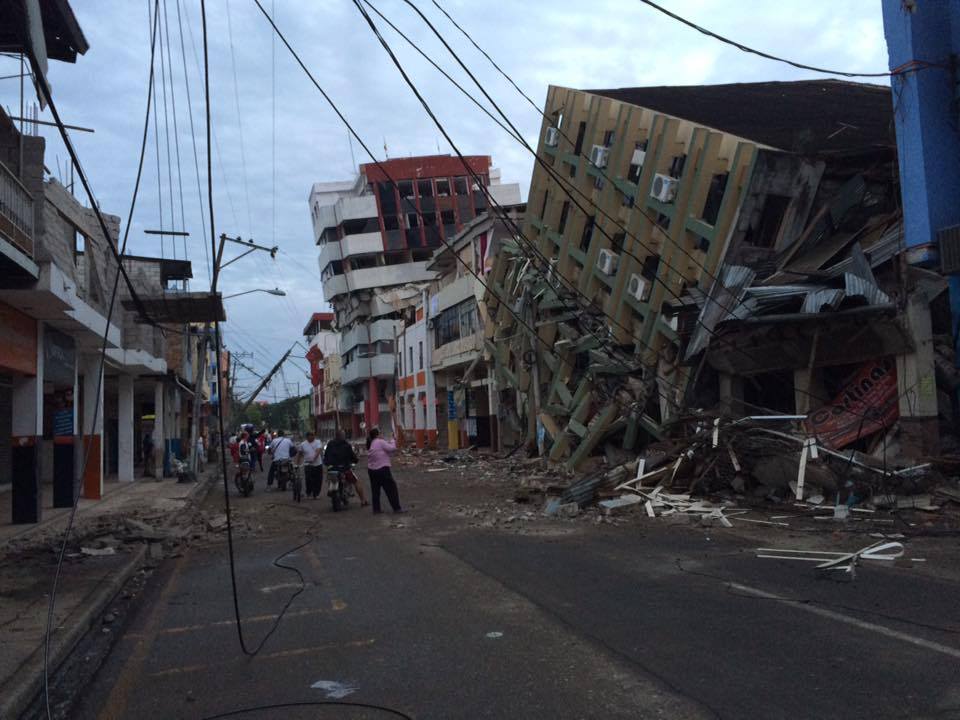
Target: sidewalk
[{"x": 122, "y": 525}]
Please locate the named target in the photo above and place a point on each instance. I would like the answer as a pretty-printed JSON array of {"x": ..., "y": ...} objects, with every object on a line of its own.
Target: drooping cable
[
  {"x": 51, "y": 605},
  {"x": 176, "y": 130},
  {"x": 236, "y": 99}
]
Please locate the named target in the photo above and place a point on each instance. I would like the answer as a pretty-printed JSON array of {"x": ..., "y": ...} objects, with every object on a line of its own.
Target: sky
[{"x": 275, "y": 135}]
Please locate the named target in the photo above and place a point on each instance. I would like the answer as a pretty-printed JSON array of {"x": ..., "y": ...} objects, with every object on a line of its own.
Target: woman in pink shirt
[{"x": 378, "y": 466}]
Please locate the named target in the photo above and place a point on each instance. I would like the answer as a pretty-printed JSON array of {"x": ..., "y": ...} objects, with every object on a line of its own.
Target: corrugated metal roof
[
  {"x": 858, "y": 287},
  {"x": 816, "y": 300}
]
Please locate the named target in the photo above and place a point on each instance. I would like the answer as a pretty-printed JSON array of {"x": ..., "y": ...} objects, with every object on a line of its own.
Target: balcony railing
[{"x": 16, "y": 211}]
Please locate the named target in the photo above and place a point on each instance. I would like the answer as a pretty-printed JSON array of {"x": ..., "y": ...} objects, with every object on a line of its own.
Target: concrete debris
[{"x": 98, "y": 551}]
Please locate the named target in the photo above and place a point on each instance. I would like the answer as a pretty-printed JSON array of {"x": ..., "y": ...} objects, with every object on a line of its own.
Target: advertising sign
[{"x": 867, "y": 404}]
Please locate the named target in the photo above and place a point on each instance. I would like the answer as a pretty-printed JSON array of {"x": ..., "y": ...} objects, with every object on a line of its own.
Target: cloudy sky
[{"x": 259, "y": 93}]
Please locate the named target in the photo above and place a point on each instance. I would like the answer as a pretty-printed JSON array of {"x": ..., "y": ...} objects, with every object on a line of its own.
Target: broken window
[
  {"x": 711, "y": 208},
  {"x": 771, "y": 217},
  {"x": 360, "y": 225}
]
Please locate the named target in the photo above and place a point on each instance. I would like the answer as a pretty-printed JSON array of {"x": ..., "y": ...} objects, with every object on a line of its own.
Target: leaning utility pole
[
  {"x": 266, "y": 379},
  {"x": 200, "y": 373}
]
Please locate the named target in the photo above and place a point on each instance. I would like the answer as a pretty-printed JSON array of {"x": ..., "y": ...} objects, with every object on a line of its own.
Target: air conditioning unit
[
  {"x": 599, "y": 155},
  {"x": 639, "y": 287},
  {"x": 664, "y": 188},
  {"x": 638, "y": 157},
  {"x": 553, "y": 137},
  {"x": 607, "y": 261}
]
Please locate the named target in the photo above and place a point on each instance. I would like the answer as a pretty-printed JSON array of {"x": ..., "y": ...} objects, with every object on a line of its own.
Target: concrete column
[
  {"x": 125, "y": 448},
  {"x": 917, "y": 384},
  {"x": 159, "y": 434},
  {"x": 808, "y": 390},
  {"x": 92, "y": 440},
  {"x": 731, "y": 393},
  {"x": 27, "y": 432}
]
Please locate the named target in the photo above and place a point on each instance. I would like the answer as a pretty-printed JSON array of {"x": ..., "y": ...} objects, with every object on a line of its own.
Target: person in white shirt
[
  {"x": 311, "y": 451},
  {"x": 281, "y": 449}
]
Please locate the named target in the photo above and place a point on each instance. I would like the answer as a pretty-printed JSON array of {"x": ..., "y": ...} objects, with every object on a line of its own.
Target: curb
[{"x": 27, "y": 682}]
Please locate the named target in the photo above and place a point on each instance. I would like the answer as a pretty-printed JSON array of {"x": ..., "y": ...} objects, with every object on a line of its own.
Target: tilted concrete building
[{"x": 685, "y": 246}]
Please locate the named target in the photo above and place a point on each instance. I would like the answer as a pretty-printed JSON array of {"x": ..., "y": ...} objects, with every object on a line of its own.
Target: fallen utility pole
[{"x": 266, "y": 379}]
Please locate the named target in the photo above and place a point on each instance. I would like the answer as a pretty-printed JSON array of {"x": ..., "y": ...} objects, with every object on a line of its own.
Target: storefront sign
[
  {"x": 867, "y": 404},
  {"x": 59, "y": 357}
]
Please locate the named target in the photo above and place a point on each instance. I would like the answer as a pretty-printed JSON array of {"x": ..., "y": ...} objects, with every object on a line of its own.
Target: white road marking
[
  {"x": 863, "y": 625},
  {"x": 281, "y": 586}
]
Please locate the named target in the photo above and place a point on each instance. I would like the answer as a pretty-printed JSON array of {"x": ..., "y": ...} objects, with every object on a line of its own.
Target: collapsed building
[{"x": 736, "y": 249}]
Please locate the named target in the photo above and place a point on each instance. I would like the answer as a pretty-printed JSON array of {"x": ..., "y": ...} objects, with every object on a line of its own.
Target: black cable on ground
[
  {"x": 318, "y": 703},
  {"x": 51, "y": 605}
]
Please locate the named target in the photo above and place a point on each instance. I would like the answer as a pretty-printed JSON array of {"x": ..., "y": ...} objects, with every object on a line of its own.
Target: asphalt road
[{"x": 433, "y": 617}]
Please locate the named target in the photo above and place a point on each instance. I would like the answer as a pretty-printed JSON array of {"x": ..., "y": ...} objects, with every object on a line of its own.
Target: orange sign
[{"x": 867, "y": 404}]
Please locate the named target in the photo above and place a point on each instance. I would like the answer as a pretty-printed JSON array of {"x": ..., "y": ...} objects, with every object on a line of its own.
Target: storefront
[{"x": 19, "y": 389}]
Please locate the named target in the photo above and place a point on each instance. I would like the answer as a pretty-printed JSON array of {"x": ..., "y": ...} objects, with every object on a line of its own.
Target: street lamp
[{"x": 273, "y": 291}]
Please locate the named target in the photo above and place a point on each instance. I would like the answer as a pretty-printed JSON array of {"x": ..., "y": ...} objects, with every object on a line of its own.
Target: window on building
[
  {"x": 360, "y": 225},
  {"x": 676, "y": 165},
  {"x": 543, "y": 208},
  {"x": 633, "y": 175},
  {"x": 618, "y": 240},
  {"x": 360, "y": 262},
  {"x": 460, "y": 186},
  {"x": 771, "y": 218},
  {"x": 469, "y": 318},
  {"x": 443, "y": 187},
  {"x": 564, "y": 212},
  {"x": 388, "y": 197},
  {"x": 587, "y": 235},
  {"x": 711, "y": 208},
  {"x": 400, "y": 363},
  {"x": 406, "y": 189},
  {"x": 413, "y": 220},
  {"x": 558, "y": 122},
  {"x": 410, "y": 364},
  {"x": 420, "y": 366},
  {"x": 425, "y": 188},
  {"x": 608, "y": 138},
  {"x": 651, "y": 263},
  {"x": 581, "y": 132},
  {"x": 429, "y": 219},
  {"x": 391, "y": 222},
  {"x": 447, "y": 217},
  {"x": 663, "y": 221}
]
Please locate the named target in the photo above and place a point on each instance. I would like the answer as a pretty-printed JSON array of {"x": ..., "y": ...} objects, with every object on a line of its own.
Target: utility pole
[
  {"x": 266, "y": 379},
  {"x": 200, "y": 374}
]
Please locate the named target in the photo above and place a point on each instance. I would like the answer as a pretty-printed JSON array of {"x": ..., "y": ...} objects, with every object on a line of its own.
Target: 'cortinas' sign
[{"x": 867, "y": 404}]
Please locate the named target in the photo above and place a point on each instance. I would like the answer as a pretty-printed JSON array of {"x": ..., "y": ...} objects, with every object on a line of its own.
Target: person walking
[
  {"x": 378, "y": 467},
  {"x": 311, "y": 450},
  {"x": 261, "y": 447}
]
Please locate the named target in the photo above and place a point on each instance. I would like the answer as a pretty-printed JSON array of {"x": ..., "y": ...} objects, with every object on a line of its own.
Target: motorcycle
[
  {"x": 340, "y": 487},
  {"x": 244, "y": 479},
  {"x": 284, "y": 474}
]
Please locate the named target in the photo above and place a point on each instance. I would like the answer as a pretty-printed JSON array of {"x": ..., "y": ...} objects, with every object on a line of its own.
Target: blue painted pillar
[{"x": 927, "y": 115}]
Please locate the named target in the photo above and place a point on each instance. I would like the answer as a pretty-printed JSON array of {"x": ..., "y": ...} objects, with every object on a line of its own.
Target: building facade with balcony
[{"x": 376, "y": 237}]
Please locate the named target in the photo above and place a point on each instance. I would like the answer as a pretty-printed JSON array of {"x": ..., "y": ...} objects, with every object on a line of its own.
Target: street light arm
[{"x": 274, "y": 291}]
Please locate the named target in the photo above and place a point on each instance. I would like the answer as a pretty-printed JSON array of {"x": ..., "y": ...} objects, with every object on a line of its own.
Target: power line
[
  {"x": 564, "y": 184},
  {"x": 193, "y": 139},
  {"x": 477, "y": 179},
  {"x": 176, "y": 130},
  {"x": 236, "y": 97},
  {"x": 916, "y": 65}
]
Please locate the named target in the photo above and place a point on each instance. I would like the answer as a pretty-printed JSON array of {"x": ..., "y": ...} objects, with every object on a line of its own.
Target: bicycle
[{"x": 296, "y": 481}]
